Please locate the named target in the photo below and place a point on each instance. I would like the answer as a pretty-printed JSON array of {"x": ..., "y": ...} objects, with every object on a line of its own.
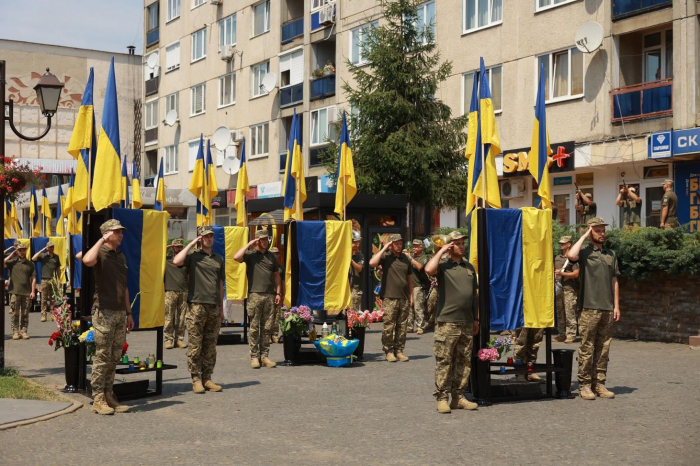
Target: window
[
  {"x": 150, "y": 73},
  {"x": 170, "y": 162},
  {"x": 563, "y": 74},
  {"x": 172, "y": 103},
  {"x": 426, "y": 20},
  {"x": 259, "y": 71},
  {"x": 495, "y": 77},
  {"x": 658, "y": 55},
  {"x": 227, "y": 31},
  {"x": 198, "y": 99},
  {"x": 317, "y": 4},
  {"x": 292, "y": 68},
  {"x": 357, "y": 37},
  {"x": 259, "y": 140},
  {"x": 193, "y": 148},
  {"x": 196, "y": 3},
  {"x": 199, "y": 44},
  {"x": 172, "y": 57},
  {"x": 261, "y": 17},
  {"x": 479, "y": 14},
  {"x": 322, "y": 126},
  {"x": 547, "y": 4},
  {"x": 173, "y": 10},
  {"x": 227, "y": 89},
  {"x": 150, "y": 110},
  {"x": 152, "y": 34}
]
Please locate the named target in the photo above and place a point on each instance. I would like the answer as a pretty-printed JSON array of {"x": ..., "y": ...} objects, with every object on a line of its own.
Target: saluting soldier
[
  {"x": 50, "y": 270},
  {"x": 668, "y": 207},
  {"x": 396, "y": 286},
  {"x": 111, "y": 314},
  {"x": 175, "y": 300},
  {"x": 264, "y": 293},
  {"x": 416, "y": 315},
  {"x": 457, "y": 323},
  {"x": 22, "y": 289},
  {"x": 357, "y": 265},
  {"x": 205, "y": 291}
]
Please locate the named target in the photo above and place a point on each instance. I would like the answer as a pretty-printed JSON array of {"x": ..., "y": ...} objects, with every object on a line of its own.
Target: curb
[{"x": 72, "y": 408}]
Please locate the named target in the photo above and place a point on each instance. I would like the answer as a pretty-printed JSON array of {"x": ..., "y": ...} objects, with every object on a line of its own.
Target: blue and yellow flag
[
  {"x": 160, "y": 190},
  {"x": 45, "y": 212},
  {"x": 7, "y": 213},
  {"x": 125, "y": 204},
  {"x": 83, "y": 146},
  {"x": 69, "y": 210},
  {"x": 34, "y": 214},
  {"x": 76, "y": 266},
  {"x": 108, "y": 161},
  {"x": 135, "y": 187},
  {"x": 198, "y": 184},
  {"x": 294, "y": 176},
  {"x": 541, "y": 150},
  {"x": 227, "y": 241},
  {"x": 346, "y": 183},
  {"x": 144, "y": 243},
  {"x": 61, "y": 201},
  {"x": 289, "y": 185},
  {"x": 487, "y": 174},
  {"x": 242, "y": 190},
  {"x": 211, "y": 183},
  {"x": 474, "y": 149}
]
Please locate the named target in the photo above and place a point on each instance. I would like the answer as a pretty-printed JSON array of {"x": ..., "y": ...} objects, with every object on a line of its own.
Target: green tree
[{"x": 404, "y": 138}]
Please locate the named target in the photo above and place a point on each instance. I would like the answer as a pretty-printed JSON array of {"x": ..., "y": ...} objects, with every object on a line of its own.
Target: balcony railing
[
  {"x": 152, "y": 85},
  {"x": 292, "y": 30},
  {"x": 151, "y": 135},
  {"x": 625, "y": 8},
  {"x": 152, "y": 37},
  {"x": 646, "y": 100},
  {"x": 323, "y": 87},
  {"x": 291, "y": 95}
]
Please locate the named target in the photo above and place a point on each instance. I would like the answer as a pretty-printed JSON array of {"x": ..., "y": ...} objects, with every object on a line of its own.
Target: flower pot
[
  {"x": 291, "y": 344},
  {"x": 563, "y": 360},
  {"x": 71, "y": 355},
  {"x": 359, "y": 333}
]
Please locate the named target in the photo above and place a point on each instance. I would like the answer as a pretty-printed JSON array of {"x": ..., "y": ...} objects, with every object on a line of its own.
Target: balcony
[
  {"x": 292, "y": 29},
  {"x": 151, "y": 135},
  {"x": 639, "y": 101},
  {"x": 291, "y": 95},
  {"x": 625, "y": 8},
  {"x": 323, "y": 87},
  {"x": 152, "y": 37},
  {"x": 152, "y": 86}
]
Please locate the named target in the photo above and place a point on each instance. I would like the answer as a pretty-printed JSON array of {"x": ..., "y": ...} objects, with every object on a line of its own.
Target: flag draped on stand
[
  {"x": 135, "y": 187},
  {"x": 541, "y": 150},
  {"x": 198, "y": 185},
  {"x": 107, "y": 163},
  {"x": 60, "y": 227},
  {"x": 45, "y": 212},
  {"x": 346, "y": 183},
  {"x": 473, "y": 149},
  {"x": 83, "y": 146},
  {"x": 125, "y": 204},
  {"x": 242, "y": 190},
  {"x": 160, "y": 190},
  {"x": 492, "y": 146},
  {"x": 34, "y": 214},
  {"x": 227, "y": 241},
  {"x": 294, "y": 174},
  {"x": 211, "y": 183}
]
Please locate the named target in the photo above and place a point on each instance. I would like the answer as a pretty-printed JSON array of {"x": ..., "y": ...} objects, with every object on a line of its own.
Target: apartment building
[{"x": 626, "y": 110}]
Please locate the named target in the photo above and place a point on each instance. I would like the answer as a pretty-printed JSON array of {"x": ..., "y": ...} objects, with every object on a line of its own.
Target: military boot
[
  {"x": 443, "y": 407},
  {"x": 43, "y": 317},
  {"x": 275, "y": 339},
  {"x": 534, "y": 378},
  {"x": 267, "y": 363},
  {"x": 15, "y": 336},
  {"x": 181, "y": 344},
  {"x": 100, "y": 406},
  {"x": 390, "y": 357},
  {"x": 460, "y": 402},
  {"x": 401, "y": 357},
  {"x": 560, "y": 338},
  {"x": 113, "y": 403},
  {"x": 255, "y": 363},
  {"x": 197, "y": 386},
  {"x": 420, "y": 331},
  {"x": 168, "y": 345},
  {"x": 25, "y": 336},
  {"x": 603, "y": 392},
  {"x": 586, "y": 393},
  {"x": 211, "y": 386}
]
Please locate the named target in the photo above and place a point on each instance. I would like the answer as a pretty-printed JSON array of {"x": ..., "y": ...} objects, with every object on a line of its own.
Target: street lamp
[{"x": 48, "y": 91}]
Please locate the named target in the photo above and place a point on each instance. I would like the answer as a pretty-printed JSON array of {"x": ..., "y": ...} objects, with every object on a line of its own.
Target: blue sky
[{"x": 89, "y": 24}]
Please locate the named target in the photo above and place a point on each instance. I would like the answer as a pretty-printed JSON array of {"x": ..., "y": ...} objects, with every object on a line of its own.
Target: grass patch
[{"x": 14, "y": 386}]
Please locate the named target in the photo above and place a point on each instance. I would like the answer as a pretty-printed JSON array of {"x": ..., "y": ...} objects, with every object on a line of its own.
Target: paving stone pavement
[{"x": 373, "y": 413}]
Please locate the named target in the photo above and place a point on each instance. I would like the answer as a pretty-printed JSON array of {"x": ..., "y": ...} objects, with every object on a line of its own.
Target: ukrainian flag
[
  {"x": 34, "y": 214},
  {"x": 289, "y": 188},
  {"x": 59, "y": 243},
  {"x": 242, "y": 190},
  {"x": 346, "y": 184},
  {"x": 69, "y": 209},
  {"x": 227, "y": 241},
  {"x": 107, "y": 163},
  {"x": 125, "y": 204},
  {"x": 160, "y": 190},
  {"x": 60, "y": 228},
  {"x": 198, "y": 184},
  {"x": 16, "y": 223},
  {"x": 492, "y": 146},
  {"x": 294, "y": 204},
  {"x": 83, "y": 145},
  {"x": 8, "y": 219},
  {"x": 144, "y": 243},
  {"x": 541, "y": 150},
  {"x": 135, "y": 187},
  {"x": 76, "y": 242},
  {"x": 46, "y": 211},
  {"x": 473, "y": 150},
  {"x": 211, "y": 182}
]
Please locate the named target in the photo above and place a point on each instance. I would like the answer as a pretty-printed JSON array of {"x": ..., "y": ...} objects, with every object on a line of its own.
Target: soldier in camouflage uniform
[
  {"x": 50, "y": 270},
  {"x": 357, "y": 265},
  {"x": 397, "y": 281},
  {"x": 567, "y": 274},
  {"x": 527, "y": 344},
  {"x": 205, "y": 280},
  {"x": 22, "y": 289},
  {"x": 669, "y": 205},
  {"x": 175, "y": 300},
  {"x": 457, "y": 323},
  {"x": 416, "y": 315},
  {"x": 599, "y": 303},
  {"x": 111, "y": 314}
]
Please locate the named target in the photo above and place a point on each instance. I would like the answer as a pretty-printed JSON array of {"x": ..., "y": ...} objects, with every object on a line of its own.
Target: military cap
[
  {"x": 177, "y": 242},
  {"x": 50, "y": 244},
  {"x": 356, "y": 236},
  {"x": 589, "y": 195},
  {"x": 417, "y": 242},
  {"x": 632, "y": 190},
  {"x": 565, "y": 239},
  {"x": 596, "y": 221},
  {"x": 205, "y": 230},
  {"x": 263, "y": 233},
  {"x": 19, "y": 245},
  {"x": 395, "y": 237},
  {"x": 669, "y": 182},
  {"x": 274, "y": 250},
  {"x": 111, "y": 225},
  {"x": 455, "y": 235}
]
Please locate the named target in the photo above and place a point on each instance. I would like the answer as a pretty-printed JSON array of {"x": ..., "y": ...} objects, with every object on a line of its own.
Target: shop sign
[
  {"x": 220, "y": 200},
  {"x": 584, "y": 179},
  {"x": 686, "y": 141},
  {"x": 267, "y": 190},
  {"x": 563, "y": 181},
  {"x": 687, "y": 188},
  {"x": 660, "y": 145},
  {"x": 517, "y": 161}
]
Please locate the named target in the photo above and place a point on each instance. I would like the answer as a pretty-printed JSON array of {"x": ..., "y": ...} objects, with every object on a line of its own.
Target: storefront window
[{"x": 562, "y": 208}]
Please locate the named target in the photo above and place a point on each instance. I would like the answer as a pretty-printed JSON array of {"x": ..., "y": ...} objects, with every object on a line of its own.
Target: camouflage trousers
[
  {"x": 203, "y": 325},
  {"x": 596, "y": 334},
  {"x": 19, "y": 310},
  {"x": 47, "y": 299},
  {"x": 453, "y": 353},
  {"x": 671, "y": 223},
  {"x": 566, "y": 313},
  {"x": 175, "y": 315},
  {"x": 527, "y": 343},
  {"x": 394, "y": 332},
  {"x": 357, "y": 299},
  {"x": 416, "y": 314},
  {"x": 261, "y": 312},
  {"x": 276, "y": 318},
  {"x": 110, "y": 335},
  {"x": 432, "y": 307}
]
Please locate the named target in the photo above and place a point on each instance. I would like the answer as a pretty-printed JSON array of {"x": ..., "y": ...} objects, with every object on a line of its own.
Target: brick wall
[{"x": 662, "y": 308}]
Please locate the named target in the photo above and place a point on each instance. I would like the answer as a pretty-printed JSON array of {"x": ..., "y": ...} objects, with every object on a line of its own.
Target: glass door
[{"x": 653, "y": 206}]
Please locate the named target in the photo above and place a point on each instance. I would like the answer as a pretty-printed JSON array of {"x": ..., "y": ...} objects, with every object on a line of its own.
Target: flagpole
[
  {"x": 483, "y": 174},
  {"x": 345, "y": 195},
  {"x": 297, "y": 199}
]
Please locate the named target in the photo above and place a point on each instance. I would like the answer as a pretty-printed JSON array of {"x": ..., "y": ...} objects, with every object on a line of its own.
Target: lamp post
[{"x": 48, "y": 92}]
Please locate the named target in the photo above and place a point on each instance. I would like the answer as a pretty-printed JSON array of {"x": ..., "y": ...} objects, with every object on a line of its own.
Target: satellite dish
[
  {"x": 231, "y": 165},
  {"x": 589, "y": 37},
  {"x": 152, "y": 60},
  {"x": 221, "y": 138},
  {"x": 170, "y": 117},
  {"x": 269, "y": 82}
]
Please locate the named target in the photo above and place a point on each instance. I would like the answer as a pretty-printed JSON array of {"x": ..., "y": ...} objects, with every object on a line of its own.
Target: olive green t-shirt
[
  {"x": 259, "y": 269},
  {"x": 50, "y": 266},
  {"x": 597, "y": 269},
  {"x": 569, "y": 283},
  {"x": 419, "y": 276},
  {"x": 631, "y": 212},
  {"x": 395, "y": 272},
  {"x": 110, "y": 280},
  {"x": 670, "y": 200},
  {"x": 204, "y": 272},
  {"x": 356, "y": 278},
  {"x": 20, "y": 276},
  {"x": 457, "y": 298},
  {"x": 588, "y": 211},
  {"x": 175, "y": 277}
]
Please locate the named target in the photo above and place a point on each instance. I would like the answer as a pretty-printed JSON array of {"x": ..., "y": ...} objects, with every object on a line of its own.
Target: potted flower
[
  {"x": 495, "y": 349},
  {"x": 67, "y": 337},
  {"x": 293, "y": 323},
  {"x": 15, "y": 176},
  {"x": 358, "y": 322}
]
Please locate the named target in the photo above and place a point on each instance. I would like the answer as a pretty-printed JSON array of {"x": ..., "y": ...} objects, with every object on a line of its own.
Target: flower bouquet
[
  {"x": 88, "y": 337},
  {"x": 363, "y": 319},
  {"x": 14, "y": 177},
  {"x": 68, "y": 329},
  {"x": 495, "y": 349},
  {"x": 296, "y": 320}
]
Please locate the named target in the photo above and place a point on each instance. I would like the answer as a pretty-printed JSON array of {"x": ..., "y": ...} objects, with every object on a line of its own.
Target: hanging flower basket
[{"x": 14, "y": 177}]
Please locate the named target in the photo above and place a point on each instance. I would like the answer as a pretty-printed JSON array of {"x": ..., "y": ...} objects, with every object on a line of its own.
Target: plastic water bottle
[{"x": 324, "y": 330}]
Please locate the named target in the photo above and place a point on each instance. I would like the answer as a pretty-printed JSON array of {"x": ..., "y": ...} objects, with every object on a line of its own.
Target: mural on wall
[{"x": 21, "y": 90}]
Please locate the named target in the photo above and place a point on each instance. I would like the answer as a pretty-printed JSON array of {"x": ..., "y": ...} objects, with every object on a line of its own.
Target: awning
[{"x": 276, "y": 217}]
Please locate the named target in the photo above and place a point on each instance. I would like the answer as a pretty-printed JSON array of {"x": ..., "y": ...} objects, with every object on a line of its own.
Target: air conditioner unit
[
  {"x": 326, "y": 15},
  {"x": 227, "y": 52},
  {"x": 237, "y": 135},
  {"x": 512, "y": 189},
  {"x": 215, "y": 2}
]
